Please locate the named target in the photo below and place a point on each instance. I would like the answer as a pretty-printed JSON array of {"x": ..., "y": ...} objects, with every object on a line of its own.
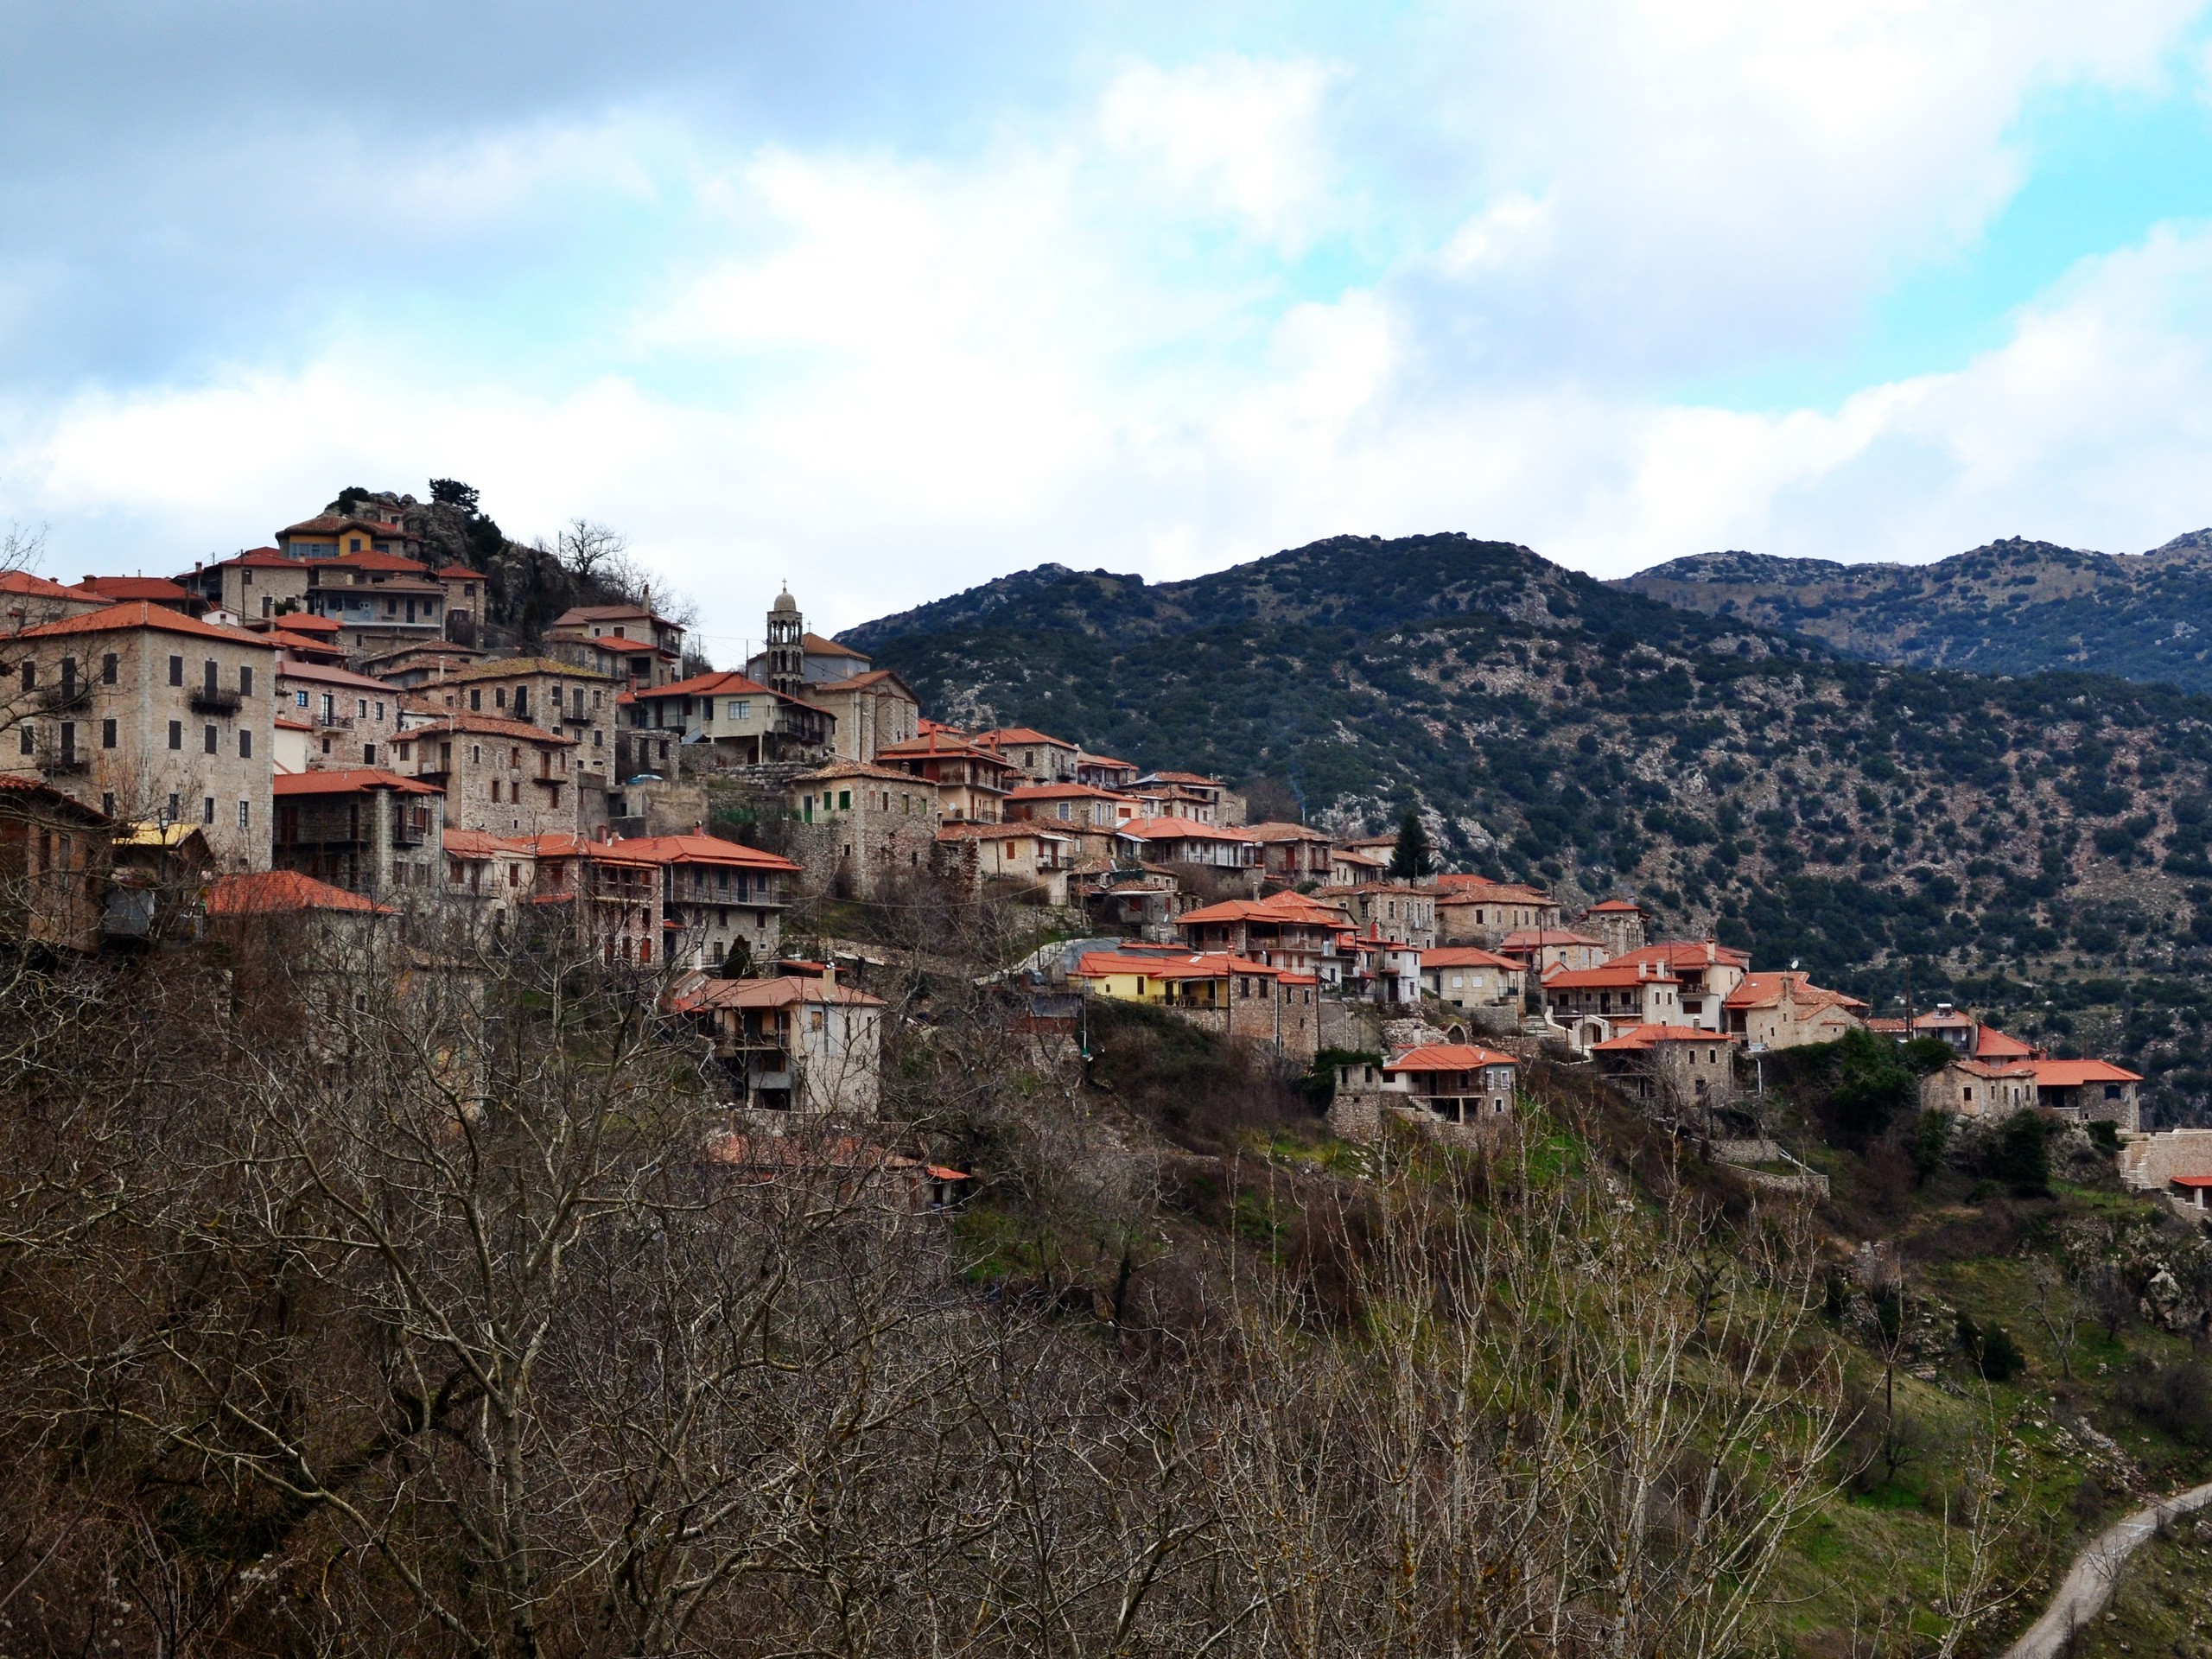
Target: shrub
[
  {"x": 1931, "y": 1138},
  {"x": 1993, "y": 1353},
  {"x": 1872, "y": 1084},
  {"x": 2019, "y": 1156}
]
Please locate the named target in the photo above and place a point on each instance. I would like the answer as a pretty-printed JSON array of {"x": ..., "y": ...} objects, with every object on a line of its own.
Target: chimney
[
  {"x": 829, "y": 975},
  {"x": 1711, "y": 949}
]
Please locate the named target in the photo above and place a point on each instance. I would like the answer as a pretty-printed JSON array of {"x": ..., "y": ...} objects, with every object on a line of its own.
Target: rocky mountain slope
[
  {"x": 2011, "y": 608},
  {"x": 2037, "y": 846}
]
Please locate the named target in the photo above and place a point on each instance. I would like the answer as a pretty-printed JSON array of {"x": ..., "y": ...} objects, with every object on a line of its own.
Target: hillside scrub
[{"x": 351, "y": 1307}]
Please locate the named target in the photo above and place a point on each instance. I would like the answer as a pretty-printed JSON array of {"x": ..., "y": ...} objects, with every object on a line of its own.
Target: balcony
[
  {"x": 58, "y": 699},
  {"x": 69, "y": 762},
  {"x": 329, "y": 722},
  {"x": 213, "y": 700}
]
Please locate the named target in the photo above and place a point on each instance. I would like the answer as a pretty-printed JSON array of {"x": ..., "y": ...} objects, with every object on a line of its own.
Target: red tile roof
[
  {"x": 1180, "y": 830},
  {"x": 729, "y": 683},
  {"x": 31, "y": 587},
  {"x": 2072, "y": 1074},
  {"x": 1467, "y": 956},
  {"x": 1535, "y": 938},
  {"x": 1637, "y": 1037},
  {"x": 1765, "y": 991},
  {"x": 815, "y": 646},
  {"x": 1018, "y": 734},
  {"x": 276, "y": 891},
  {"x": 787, "y": 990},
  {"x": 1447, "y": 1057},
  {"x": 160, "y": 589},
  {"x": 329, "y": 674},
  {"x": 1615, "y": 907},
  {"x": 1611, "y": 976},
  {"x": 476, "y": 844},
  {"x": 1692, "y": 954},
  {"x": 345, "y": 780},
  {"x": 456, "y": 720},
  {"x": 695, "y": 850},
  {"x": 1062, "y": 792},
  {"x": 142, "y": 613}
]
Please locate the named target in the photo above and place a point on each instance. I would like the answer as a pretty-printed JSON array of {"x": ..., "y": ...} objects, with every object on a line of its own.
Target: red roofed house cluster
[{"x": 329, "y": 722}]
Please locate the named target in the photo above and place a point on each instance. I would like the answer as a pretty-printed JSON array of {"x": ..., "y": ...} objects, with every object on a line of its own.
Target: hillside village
[{"x": 306, "y": 729}]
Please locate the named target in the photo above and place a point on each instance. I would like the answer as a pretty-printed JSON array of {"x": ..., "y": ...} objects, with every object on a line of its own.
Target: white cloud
[
  {"x": 1227, "y": 306},
  {"x": 1235, "y": 136}
]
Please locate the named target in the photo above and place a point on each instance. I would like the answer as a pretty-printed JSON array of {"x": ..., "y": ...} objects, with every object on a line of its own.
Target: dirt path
[{"x": 2089, "y": 1583}]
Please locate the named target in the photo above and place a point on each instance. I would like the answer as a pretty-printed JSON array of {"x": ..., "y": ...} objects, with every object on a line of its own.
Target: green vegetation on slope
[
  {"x": 2011, "y": 608},
  {"x": 2036, "y": 847}
]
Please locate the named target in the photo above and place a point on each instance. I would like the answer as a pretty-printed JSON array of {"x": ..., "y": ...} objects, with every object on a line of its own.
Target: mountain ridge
[{"x": 2010, "y": 607}]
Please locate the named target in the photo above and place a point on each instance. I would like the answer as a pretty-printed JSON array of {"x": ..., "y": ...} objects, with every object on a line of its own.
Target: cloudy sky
[{"x": 888, "y": 298}]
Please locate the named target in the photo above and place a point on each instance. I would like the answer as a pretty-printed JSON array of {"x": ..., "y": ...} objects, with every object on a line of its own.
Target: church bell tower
[{"x": 786, "y": 647}]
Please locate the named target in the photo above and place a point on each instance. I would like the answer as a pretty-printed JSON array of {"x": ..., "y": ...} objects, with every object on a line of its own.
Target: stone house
[
  {"x": 354, "y": 720},
  {"x": 971, "y": 783},
  {"x": 1087, "y": 817},
  {"x": 500, "y": 872},
  {"x": 1037, "y": 757},
  {"x": 1620, "y": 922},
  {"x": 1026, "y": 857},
  {"x": 1462, "y": 1089},
  {"x": 1598, "y": 1003},
  {"x": 27, "y": 602},
  {"x": 145, "y": 714},
  {"x": 800, "y": 1045},
  {"x": 1475, "y": 909},
  {"x": 364, "y": 829},
  {"x": 56, "y": 854},
  {"x": 258, "y": 585},
  {"x": 861, "y": 830},
  {"x": 2087, "y": 1092},
  {"x": 648, "y": 647},
  {"x": 576, "y": 702},
  {"x": 1104, "y": 772},
  {"x": 1247, "y": 1000},
  {"x": 1352, "y": 866},
  {"x": 1292, "y": 852},
  {"x": 505, "y": 777},
  {"x": 1676, "y": 1071},
  {"x": 1186, "y": 841},
  {"x": 378, "y": 600},
  {"x": 1988, "y": 1089},
  {"x": 1468, "y": 978},
  {"x": 870, "y": 710},
  {"x": 1397, "y": 911},
  {"x": 1545, "y": 948},
  {"x": 1708, "y": 972},
  {"x": 721, "y": 720},
  {"x": 1286, "y": 929},
  {"x": 1210, "y": 798},
  {"x": 1785, "y": 1010},
  {"x": 611, "y": 897},
  {"x": 714, "y": 894}
]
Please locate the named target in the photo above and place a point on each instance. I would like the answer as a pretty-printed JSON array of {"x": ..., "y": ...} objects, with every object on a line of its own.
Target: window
[
  {"x": 107, "y": 804},
  {"x": 368, "y": 754},
  {"x": 500, "y": 697},
  {"x": 245, "y": 682},
  {"x": 107, "y": 668},
  {"x": 29, "y": 740},
  {"x": 814, "y": 1020},
  {"x": 246, "y": 745},
  {"x": 107, "y": 733},
  {"x": 361, "y": 706},
  {"x": 2112, "y": 1091},
  {"x": 177, "y": 670},
  {"x": 208, "y": 743},
  {"x": 844, "y": 800},
  {"x": 207, "y": 810},
  {"x": 210, "y": 674},
  {"x": 170, "y": 816},
  {"x": 741, "y": 709},
  {"x": 476, "y": 754},
  {"x": 299, "y": 699},
  {"x": 596, "y": 738},
  {"x": 176, "y": 734},
  {"x": 476, "y": 699},
  {"x": 245, "y": 815}
]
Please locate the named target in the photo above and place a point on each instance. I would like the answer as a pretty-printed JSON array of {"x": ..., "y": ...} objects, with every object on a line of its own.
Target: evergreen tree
[{"x": 1412, "y": 858}]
